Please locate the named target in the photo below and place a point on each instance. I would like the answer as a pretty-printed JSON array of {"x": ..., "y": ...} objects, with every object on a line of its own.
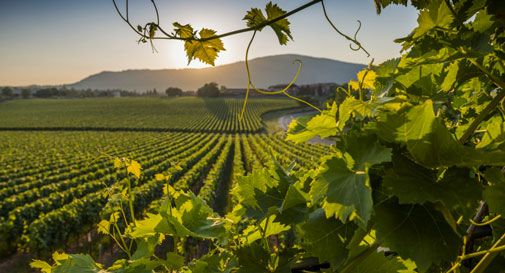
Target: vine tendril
[
  {"x": 353, "y": 40},
  {"x": 250, "y": 84}
]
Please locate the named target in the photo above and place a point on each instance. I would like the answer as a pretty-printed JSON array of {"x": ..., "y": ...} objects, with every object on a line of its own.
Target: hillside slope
[{"x": 266, "y": 71}]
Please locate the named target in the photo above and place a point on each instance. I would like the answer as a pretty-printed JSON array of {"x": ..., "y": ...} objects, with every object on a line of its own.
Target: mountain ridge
[{"x": 265, "y": 71}]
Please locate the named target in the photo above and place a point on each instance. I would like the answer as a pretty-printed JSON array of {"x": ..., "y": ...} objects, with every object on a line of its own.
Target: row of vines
[{"x": 44, "y": 190}]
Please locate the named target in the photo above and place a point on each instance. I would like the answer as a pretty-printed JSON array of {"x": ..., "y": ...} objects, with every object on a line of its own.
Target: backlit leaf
[{"x": 134, "y": 168}]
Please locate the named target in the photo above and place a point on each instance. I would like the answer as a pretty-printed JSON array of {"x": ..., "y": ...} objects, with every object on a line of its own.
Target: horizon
[
  {"x": 60, "y": 43},
  {"x": 65, "y": 85}
]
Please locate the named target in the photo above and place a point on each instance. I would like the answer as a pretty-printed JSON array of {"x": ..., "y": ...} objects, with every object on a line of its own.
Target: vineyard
[
  {"x": 138, "y": 114},
  {"x": 54, "y": 179},
  {"x": 414, "y": 181}
]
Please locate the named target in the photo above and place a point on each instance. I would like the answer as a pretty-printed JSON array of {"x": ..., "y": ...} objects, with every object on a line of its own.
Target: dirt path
[{"x": 284, "y": 122}]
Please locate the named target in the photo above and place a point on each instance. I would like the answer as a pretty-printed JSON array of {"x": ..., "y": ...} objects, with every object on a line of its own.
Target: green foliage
[
  {"x": 186, "y": 114},
  {"x": 256, "y": 19},
  {"x": 173, "y": 92},
  {"x": 199, "y": 46},
  {"x": 209, "y": 90},
  {"x": 68, "y": 177}
]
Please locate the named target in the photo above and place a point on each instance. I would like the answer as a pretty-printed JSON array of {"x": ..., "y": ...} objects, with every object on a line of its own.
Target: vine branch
[{"x": 169, "y": 36}]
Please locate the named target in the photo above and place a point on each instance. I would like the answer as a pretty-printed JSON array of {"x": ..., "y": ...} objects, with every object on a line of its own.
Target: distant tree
[
  {"x": 26, "y": 93},
  {"x": 46, "y": 93},
  {"x": 7, "y": 92},
  {"x": 208, "y": 90},
  {"x": 173, "y": 92}
]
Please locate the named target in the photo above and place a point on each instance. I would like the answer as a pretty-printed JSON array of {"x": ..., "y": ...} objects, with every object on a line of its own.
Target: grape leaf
[
  {"x": 184, "y": 31},
  {"x": 174, "y": 260},
  {"x": 365, "y": 79},
  {"x": 377, "y": 262},
  {"x": 413, "y": 183},
  {"x": 261, "y": 191},
  {"x": 416, "y": 232},
  {"x": 78, "y": 263},
  {"x": 494, "y": 136},
  {"x": 366, "y": 151},
  {"x": 255, "y": 18},
  {"x": 134, "y": 168},
  {"x": 206, "y": 51},
  {"x": 281, "y": 27},
  {"x": 438, "y": 14},
  {"x": 326, "y": 238},
  {"x": 41, "y": 265},
  {"x": 220, "y": 262},
  {"x": 323, "y": 125},
  {"x": 494, "y": 194},
  {"x": 338, "y": 184},
  {"x": 353, "y": 107},
  {"x": 190, "y": 217},
  {"x": 451, "y": 76},
  {"x": 268, "y": 228},
  {"x": 428, "y": 140},
  {"x": 254, "y": 258}
]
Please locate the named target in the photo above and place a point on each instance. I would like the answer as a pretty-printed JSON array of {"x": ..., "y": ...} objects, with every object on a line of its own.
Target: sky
[{"x": 63, "y": 41}]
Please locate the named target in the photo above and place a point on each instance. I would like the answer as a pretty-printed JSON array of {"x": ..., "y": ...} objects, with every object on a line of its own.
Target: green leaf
[
  {"x": 323, "y": 125},
  {"x": 260, "y": 192},
  {"x": 413, "y": 183},
  {"x": 451, "y": 77},
  {"x": 146, "y": 246},
  {"x": 494, "y": 194},
  {"x": 255, "y": 17},
  {"x": 416, "y": 232},
  {"x": 41, "y": 265},
  {"x": 366, "y": 151},
  {"x": 184, "y": 31},
  {"x": 103, "y": 227},
  {"x": 255, "y": 258},
  {"x": 437, "y": 14},
  {"x": 147, "y": 226},
  {"x": 353, "y": 107},
  {"x": 78, "y": 263},
  {"x": 294, "y": 206},
  {"x": 338, "y": 184},
  {"x": 191, "y": 217},
  {"x": 267, "y": 228},
  {"x": 377, "y": 262},
  {"x": 281, "y": 27},
  {"x": 326, "y": 238},
  {"x": 174, "y": 260},
  {"x": 428, "y": 140},
  {"x": 205, "y": 51},
  {"x": 494, "y": 135},
  {"x": 221, "y": 262}
]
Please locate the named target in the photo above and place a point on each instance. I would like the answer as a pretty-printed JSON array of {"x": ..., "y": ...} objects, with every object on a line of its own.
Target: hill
[{"x": 266, "y": 71}]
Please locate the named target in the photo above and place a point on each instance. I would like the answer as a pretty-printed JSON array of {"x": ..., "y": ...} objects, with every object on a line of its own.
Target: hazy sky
[{"x": 63, "y": 41}]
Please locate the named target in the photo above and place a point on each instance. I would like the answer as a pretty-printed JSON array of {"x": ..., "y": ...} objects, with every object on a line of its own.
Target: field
[
  {"x": 183, "y": 114},
  {"x": 53, "y": 179}
]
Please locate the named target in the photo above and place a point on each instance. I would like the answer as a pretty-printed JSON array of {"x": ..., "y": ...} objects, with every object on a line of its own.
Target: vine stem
[
  {"x": 483, "y": 252},
  {"x": 489, "y": 256},
  {"x": 254, "y": 28}
]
